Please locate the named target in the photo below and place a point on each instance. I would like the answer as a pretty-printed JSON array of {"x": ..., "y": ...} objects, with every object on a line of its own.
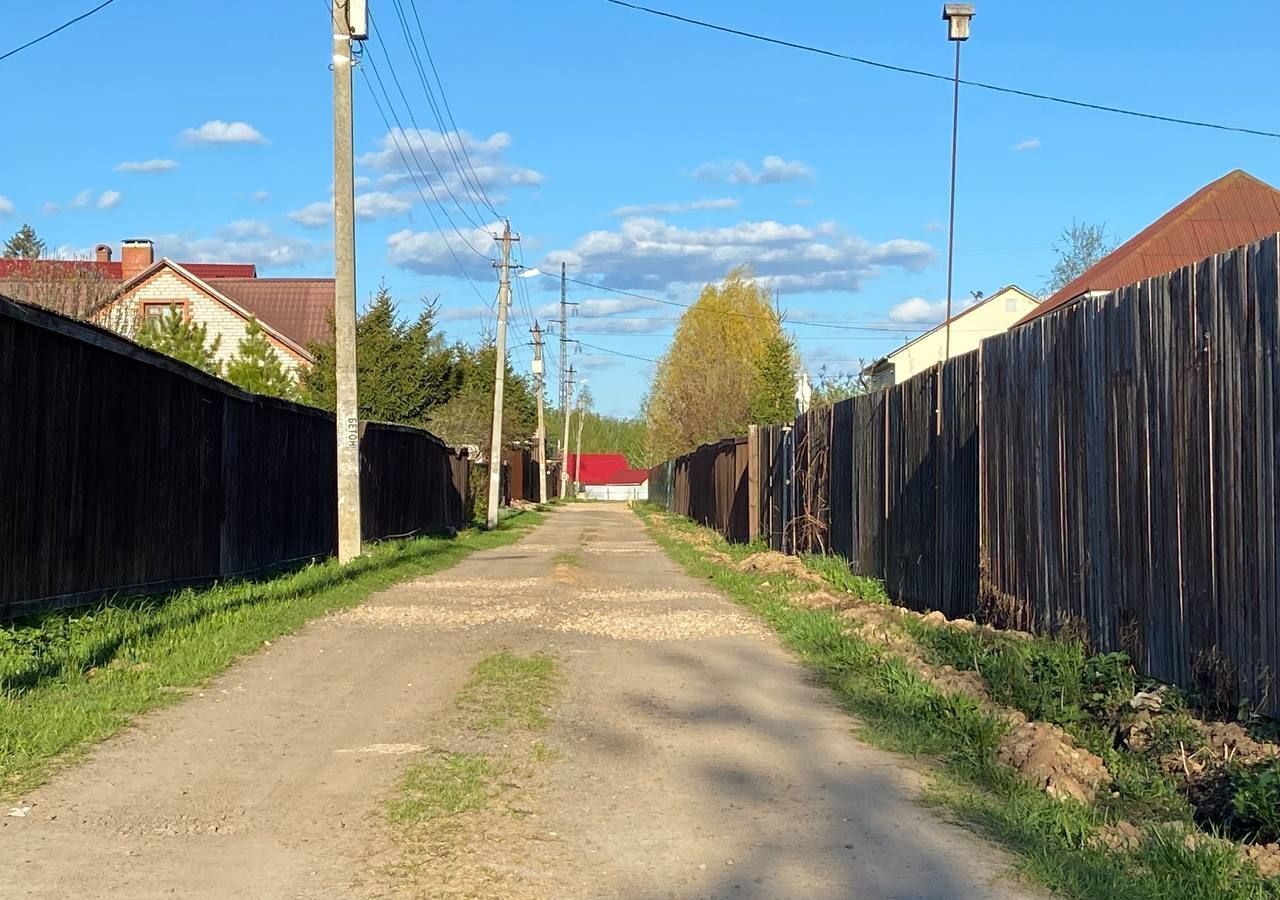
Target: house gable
[{"x": 166, "y": 283}]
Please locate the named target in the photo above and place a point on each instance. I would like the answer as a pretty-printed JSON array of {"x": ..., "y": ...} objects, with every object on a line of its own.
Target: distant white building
[{"x": 990, "y": 315}]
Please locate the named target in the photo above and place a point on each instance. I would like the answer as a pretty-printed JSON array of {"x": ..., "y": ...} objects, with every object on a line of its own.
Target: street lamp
[{"x": 957, "y": 16}]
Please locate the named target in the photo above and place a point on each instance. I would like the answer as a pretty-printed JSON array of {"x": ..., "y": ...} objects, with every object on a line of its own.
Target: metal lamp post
[{"x": 957, "y": 16}]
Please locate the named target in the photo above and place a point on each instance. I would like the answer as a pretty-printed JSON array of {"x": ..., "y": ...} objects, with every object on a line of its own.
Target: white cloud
[
  {"x": 216, "y": 131},
  {"x": 260, "y": 196},
  {"x": 85, "y": 200},
  {"x": 773, "y": 170},
  {"x": 426, "y": 149},
  {"x": 370, "y": 206},
  {"x": 802, "y": 201},
  {"x": 651, "y": 254},
  {"x": 428, "y": 252},
  {"x": 669, "y": 208},
  {"x": 242, "y": 241},
  {"x": 933, "y": 226},
  {"x": 464, "y": 313},
  {"x": 246, "y": 228},
  {"x": 919, "y": 311},
  {"x": 6, "y": 206},
  {"x": 608, "y": 306},
  {"x": 1028, "y": 144},
  {"x": 148, "y": 165},
  {"x": 362, "y": 181}
]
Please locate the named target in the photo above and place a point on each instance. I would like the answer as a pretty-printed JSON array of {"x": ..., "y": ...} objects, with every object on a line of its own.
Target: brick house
[{"x": 123, "y": 295}]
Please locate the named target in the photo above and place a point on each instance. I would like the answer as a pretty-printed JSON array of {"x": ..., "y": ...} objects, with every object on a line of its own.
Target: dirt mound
[
  {"x": 1230, "y": 742},
  {"x": 1047, "y": 757},
  {"x": 1266, "y": 857},
  {"x": 771, "y": 562}
]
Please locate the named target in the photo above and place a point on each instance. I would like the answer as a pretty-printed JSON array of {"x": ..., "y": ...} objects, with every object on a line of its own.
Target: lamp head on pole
[{"x": 957, "y": 16}]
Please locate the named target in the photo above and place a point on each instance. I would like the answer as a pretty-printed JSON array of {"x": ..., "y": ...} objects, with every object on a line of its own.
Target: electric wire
[
  {"x": 478, "y": 220},
  {"x": 48, "y": 34},
  {"x": 444, "y": 99},
  {"x": 413, "y": 151},
  {"x": 906, "y": 70}
]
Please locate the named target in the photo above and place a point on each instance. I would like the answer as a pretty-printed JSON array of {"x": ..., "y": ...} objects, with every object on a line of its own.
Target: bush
[{"x": 1256, "y": 799}]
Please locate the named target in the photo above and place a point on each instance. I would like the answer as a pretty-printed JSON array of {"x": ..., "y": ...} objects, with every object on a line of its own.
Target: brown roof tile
[
  {"x": 1234, "y": 210},
  {"x": 298, "y": 308}
]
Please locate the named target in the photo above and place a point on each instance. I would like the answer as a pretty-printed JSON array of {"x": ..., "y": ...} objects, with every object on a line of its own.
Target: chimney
[
  {"x": 136, "y": 256},
  {"x": 102, "y": 253}
]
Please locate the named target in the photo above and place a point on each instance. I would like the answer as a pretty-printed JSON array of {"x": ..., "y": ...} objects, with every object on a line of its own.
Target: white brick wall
[{"x": 166, "y": 286}]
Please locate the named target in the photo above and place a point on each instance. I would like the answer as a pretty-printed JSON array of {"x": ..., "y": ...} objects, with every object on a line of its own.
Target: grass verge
[
  {"x": 72, "y": 678},
  {"x": 1058, "y": 842}
]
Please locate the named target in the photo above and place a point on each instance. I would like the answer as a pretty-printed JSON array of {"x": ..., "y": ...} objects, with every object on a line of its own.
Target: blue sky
[{"x": 650, "y": 155}]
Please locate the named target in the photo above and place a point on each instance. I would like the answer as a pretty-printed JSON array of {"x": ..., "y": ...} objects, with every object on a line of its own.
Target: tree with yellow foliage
[{"x": 726, "y": 367}]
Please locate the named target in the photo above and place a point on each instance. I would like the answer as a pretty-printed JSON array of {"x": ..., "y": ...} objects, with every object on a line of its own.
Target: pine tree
[
  {"x": 774, "y": 397},
  {"x": 256, "y": 367},
  {"x": 24, "y": 245},
  {"x": 404, "y": 368},
  {"x": 173, "y": 334}
]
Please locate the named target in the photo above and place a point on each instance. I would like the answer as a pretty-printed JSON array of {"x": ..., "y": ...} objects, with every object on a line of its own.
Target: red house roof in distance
[
  {"x": 113, "y": 271},
  {"x": 599, "y": 468},
  {"x": 1236, "y": 209}
]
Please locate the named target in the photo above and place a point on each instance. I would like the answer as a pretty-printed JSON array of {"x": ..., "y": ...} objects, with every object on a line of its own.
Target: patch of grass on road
[
  {"x": 450, "y": 784},
  {"x": 71, "y": 678},
  {"x": 900, "y": 711},
  {"x": 506, "y": 690}
]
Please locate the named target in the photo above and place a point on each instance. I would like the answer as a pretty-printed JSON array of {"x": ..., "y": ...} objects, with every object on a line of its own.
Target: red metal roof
[
  {"x": 112, "y": 271},
  {"x": 1234, "y": 210},
  {"x": 298, "y": 308},
  {"x": 600, "y": 468}
]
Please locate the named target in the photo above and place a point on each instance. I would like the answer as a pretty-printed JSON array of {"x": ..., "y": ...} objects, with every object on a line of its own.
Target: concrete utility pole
[
  {"x": 567, "y": 414},
  {"x": 577, "y": 459},
  {"x": 499, "y": 376},
  {"x": 566, "y": 384},
  {"x": 542, "y": 425},
  {"x": 348, "y": 24}
]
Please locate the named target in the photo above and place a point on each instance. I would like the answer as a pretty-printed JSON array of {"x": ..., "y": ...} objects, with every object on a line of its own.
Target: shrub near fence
[{"x": 122, "y": 470}]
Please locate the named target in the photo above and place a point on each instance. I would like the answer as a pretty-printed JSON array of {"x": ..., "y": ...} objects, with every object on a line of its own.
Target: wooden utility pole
[
  {"x": 542, "y": 425},
  {"x": 348, "y": 25},
  {"x": 499, "y": 376}
]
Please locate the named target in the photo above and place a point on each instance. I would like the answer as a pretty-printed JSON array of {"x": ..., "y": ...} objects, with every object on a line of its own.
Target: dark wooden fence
[
  {"x": 1129, "y": 464},
  {"x": 708, "y": 485},
  {"x": 123, "y": 471}
]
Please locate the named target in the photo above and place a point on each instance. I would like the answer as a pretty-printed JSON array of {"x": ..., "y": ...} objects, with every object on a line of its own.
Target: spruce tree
[
  {"x": 173, "y": 334},
  {"x": 256, "y": 367},
  {"x": 24, "y": 245}
]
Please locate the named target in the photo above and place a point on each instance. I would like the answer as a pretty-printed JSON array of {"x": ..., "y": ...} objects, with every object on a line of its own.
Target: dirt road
[{"x": 695, "y": 759}]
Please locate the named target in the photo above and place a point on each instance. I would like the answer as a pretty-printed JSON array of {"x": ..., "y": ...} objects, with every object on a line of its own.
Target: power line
[
  {"x": 647, "y": 359},
  {"x": 413, "y": 151},
  {"x": 721, "y": 312},
  {"x": 425, "y": 203},
  {"x": 49, "y": 34},
  {"x": 906, "y": 70},
  {"x": 431, "y": 100},
  {"x": 444, "y": 99}
]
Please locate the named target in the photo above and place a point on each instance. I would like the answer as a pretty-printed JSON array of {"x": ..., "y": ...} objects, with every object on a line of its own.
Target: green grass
[
  {"x": 508, "y": 691},
  {"x": 835, "y": 570},
  {"x": 69, "y": 679},
  {"x": 901, "y": 711},
  {"x": 447, "y": 785}
]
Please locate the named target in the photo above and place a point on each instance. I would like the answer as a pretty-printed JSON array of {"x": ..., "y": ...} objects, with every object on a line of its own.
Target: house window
[
  {"x": 155, "y": 310},
  {"x": 1011, "y": 304}
]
